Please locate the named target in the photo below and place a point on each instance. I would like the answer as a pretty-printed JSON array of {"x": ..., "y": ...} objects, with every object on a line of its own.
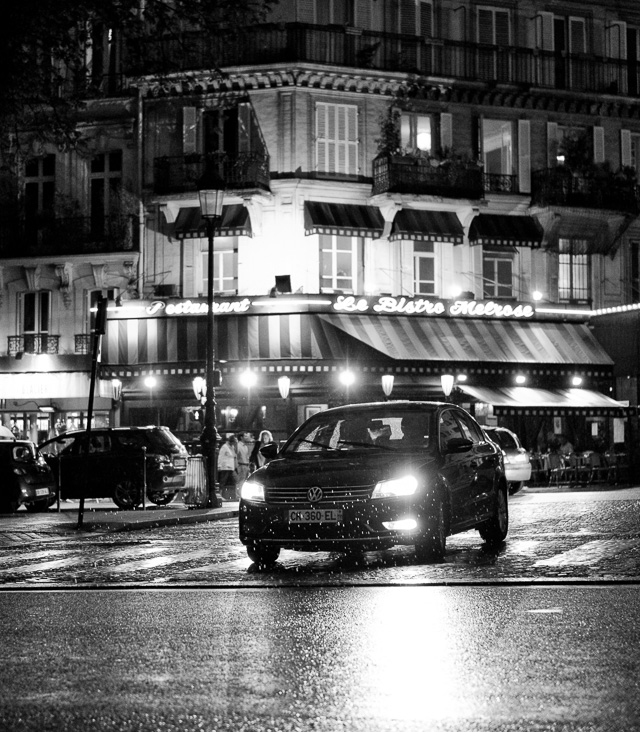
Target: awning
[
  {"x": 528, "y": 397},
  {"x": 591, "y": 232},
  {"x": 342, "y": 219},
  {"x": 40, "y": 387},
  {"x": 474, "y": 340},
  {"x": 505, "y": 230},
  {"x": 189, "y": 223},
  {"x": 427, "y": 226}
]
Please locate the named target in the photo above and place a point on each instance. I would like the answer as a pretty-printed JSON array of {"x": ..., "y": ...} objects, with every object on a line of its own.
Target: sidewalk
[{"x": 104, "y": 516}]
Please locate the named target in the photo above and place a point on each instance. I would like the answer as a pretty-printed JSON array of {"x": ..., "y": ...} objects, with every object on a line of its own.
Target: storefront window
[
  {"x": 574, "y": 281},
  {"x": 497, "y": 274},
  {"x": 338, "y": 262}
]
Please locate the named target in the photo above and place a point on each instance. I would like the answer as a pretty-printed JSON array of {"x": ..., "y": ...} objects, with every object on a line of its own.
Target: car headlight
[
  {"x": 405, "y": 486},
  {"x": 252, "y": 491}
]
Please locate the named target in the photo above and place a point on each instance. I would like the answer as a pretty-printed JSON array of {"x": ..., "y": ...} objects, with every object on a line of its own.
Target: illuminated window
[
  {"x": 574, "y": 280},
  {"x": 497, "y": 147},
  {"x": 497, "y": 274},
  {"x": 338, "y": 262},
  {"x": 424, "y": 268},
  {"x": 416, "y": 132}
]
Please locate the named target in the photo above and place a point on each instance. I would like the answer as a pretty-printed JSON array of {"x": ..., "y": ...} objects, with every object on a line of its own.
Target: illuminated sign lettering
[
  {"x": 188, "y": 307},
  {"x": 422, "y": 306}
]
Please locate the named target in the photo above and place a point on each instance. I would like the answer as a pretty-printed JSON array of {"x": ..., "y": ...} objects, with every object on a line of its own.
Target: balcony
[
  {"x": 244, "y": 171},
  {"x": 71, "y": 235},
  {"x": 500, "y": 183},
  {"x": 355, "y": 47},
  {"x": 83, "y": 343},
  {"x": 605, "y": 190},
  {"x": 409, "y": 174},
  {"x": 33, "y": 343}
]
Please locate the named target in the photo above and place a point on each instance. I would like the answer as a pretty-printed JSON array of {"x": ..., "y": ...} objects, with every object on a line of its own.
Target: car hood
[{"x": 354, "y": 469}]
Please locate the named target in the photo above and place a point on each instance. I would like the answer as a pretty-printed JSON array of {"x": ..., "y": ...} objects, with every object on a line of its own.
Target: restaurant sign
[{"x": 422, "y": 306}]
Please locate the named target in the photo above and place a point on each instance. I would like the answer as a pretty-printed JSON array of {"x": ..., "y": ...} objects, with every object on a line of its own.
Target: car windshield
[
  {"x": 158, "y": 440},
  {"x": 504, "y": 439},
  {"x": 374, "y": 429}
]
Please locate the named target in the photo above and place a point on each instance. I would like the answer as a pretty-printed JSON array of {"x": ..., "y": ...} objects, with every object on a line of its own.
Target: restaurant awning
[
  {"x": 427, "y": 226},
  {"x": 505, "y": 230},
  {"x": 342, "y": 219},
  {"x": 528, "y": 397},
  {"x": 189, "y": 223},
  {"x": 590, "y": 232},
  {"x": 474, "y": 340}
]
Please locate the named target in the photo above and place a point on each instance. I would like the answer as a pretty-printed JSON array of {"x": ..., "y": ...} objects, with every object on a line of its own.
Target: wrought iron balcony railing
[
  {"x": 70, "y": 235},
  {"x": 355, "y": 47},
  {"x": 608, "y": 191},
  {"x": 500, "y": 183},
  {"x": 33, "y": 343},
  {"x": 408, "y": 174},
  {"x": 180, "y": 174},
  {"x": 84, "y": 343}
]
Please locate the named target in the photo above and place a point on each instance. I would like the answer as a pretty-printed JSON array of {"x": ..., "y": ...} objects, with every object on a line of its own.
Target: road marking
[
  {"x": 158, "y": 561},
  {"x": 25, "y": 556},
  {"x": 590, "y": 553},
  {"x": 76, "y": 558}
]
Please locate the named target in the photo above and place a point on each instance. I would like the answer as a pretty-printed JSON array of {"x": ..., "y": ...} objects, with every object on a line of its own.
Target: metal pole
[{"x": 210, "y": 406}]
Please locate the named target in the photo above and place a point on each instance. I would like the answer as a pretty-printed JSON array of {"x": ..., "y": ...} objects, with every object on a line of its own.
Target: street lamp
[
  {"x": 446, "y": 382},
  {"x": 387, "y": 384},
  {"x": 211, "y": 194}
]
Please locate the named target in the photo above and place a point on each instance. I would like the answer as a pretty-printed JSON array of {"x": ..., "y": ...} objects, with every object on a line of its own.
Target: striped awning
[
  {"x": 528, "y": 397},
  {"x": 474, "y": 340},
  {"x": 505, "y": 230},
  {"x": 189, "y": 223},
  {"x": 342, "y": 219},
  {"x": 427, "y": 226}
]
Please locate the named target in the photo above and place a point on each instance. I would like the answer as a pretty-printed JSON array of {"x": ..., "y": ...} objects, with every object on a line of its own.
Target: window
[
  {"x": 497, "y": 153},
  {"x": 497, "y": 274},
  {"x": 39, "y": 185},
  {"x": 338, "y": 262},
  {"x": 574, "y": 282},
  {"x": 36, "y": 319},
  {"x": 334, "y": 12},
  {"x": 469, "y": 428},
  {"x": 449, "y": 429},
  {"x": 232, "y": 131},
  {"x": 493, "y": 29},
  {"x": 635, "y": 152},
  {"x": 424, "y": 268},
  {"x": 225, "y": 267},
  {"x": 105, "y": 182},
  {"x": 336, "y": 138},
  {"x": 635, "y": 271},
  {"x": 416, "y": 132}
]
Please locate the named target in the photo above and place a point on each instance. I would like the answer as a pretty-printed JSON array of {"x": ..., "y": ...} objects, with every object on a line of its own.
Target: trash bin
[{"x": 195, "y": 487}]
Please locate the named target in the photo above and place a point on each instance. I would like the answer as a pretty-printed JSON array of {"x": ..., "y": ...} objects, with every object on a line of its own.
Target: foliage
[
  {"x": 44, "y": 43},
  {"x": 389, "y": 141}
]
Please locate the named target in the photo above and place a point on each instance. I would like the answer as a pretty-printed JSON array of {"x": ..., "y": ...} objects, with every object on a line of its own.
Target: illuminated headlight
[
  {"x": 252, "y": 491},
  {"x": 407, "y": 524},
  {"x": 404, "y": 486}
]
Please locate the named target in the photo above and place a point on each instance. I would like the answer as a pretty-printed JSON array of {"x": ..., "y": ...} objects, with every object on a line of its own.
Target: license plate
[
  {"x": 315, "y": 516},
  {"x": 179, "y": 463},
  {"x": 42, "y": 491}
]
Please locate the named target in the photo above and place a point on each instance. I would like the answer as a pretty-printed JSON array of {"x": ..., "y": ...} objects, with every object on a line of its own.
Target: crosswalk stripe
[
  {"x": 77, "y": 558},
  {"x": 159, "y": 561},
  {"x": 590, "y": 553}
]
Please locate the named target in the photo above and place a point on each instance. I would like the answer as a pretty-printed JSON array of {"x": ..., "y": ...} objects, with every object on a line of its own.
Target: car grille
[{"x": 329, "y": 494}]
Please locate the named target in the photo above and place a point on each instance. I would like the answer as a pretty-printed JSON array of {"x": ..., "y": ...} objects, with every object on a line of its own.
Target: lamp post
[{"x": 211, "y": 194}]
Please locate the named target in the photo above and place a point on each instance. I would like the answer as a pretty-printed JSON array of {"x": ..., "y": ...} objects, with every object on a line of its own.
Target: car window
[
  {"x": 24, "y": 454},
  {"x": 449, "y": 428},
  {"x": 504, "y": 439},
  {"x": 99, "y": 444},
  {"x": 63, "y": 445},
  {"x": 469, "y": 428}
]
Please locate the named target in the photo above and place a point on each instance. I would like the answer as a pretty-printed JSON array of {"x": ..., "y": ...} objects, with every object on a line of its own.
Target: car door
[
  {"x": 85, "y": 475},
  {"x": 455, "y": 466}
]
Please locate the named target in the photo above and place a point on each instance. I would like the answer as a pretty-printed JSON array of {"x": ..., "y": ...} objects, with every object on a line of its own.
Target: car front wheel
[
  {"x": 494, "y": 531},
  {"x": 162, "y": 499},
  {"x": 263, "y": 554},
  {"x": 432, "y": 545}
]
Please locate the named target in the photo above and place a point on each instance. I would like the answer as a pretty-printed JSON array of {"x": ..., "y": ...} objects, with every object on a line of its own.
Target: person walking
[
  {"x": 228, "y": 467},
  {"x": 257, "y": 459},
  {"x": 245, "y": 443}
]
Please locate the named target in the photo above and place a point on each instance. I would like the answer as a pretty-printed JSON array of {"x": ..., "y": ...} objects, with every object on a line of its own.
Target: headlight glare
[
  {"x": 252, "y": 491},
  {"x": 405, "y": 486}
]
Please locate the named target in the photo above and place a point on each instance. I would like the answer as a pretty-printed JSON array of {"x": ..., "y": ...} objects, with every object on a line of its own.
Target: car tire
[
  {"x": 515, "y": 487},
  {"x": 494, "y": 531},
  {"x": 263, "y": 554},
  {"x": 162, "y": 499},
  {"x": 38, "y": 506},
  {"x": 432, "y": 545},
  {"x": 126, "y": 495}
]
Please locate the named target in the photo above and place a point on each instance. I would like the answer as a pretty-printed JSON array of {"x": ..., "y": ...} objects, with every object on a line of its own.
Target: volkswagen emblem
[{"x": 314, "y": 494}]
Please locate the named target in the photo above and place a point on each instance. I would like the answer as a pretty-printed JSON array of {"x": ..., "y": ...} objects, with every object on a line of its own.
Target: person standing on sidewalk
[
  {"x": 228, "y": 467},
  {"x": 245, "y": 444}
]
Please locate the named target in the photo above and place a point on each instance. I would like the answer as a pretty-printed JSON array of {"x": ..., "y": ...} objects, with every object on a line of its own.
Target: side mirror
[
  {"x": 269, "y": 451},
  {"x": 459, "y": 444}
]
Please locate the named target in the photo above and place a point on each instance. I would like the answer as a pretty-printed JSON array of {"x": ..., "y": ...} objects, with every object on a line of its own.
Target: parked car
[
  {"x": 116, "y": 463},
  {"x": 517, "y": 461},
  {"x": 25, "y": 478},
  {"x": 369, "y": 476}
]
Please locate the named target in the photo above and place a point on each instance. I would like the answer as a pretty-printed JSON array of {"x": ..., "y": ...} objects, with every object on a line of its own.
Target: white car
[{"x": 517, "y": 463}]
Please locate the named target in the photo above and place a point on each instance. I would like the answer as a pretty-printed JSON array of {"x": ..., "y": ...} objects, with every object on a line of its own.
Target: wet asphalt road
[{"x": 173, "y": 629}]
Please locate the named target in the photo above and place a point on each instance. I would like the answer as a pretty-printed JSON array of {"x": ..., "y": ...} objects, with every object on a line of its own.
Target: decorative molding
[
  {"x": 65, "y": 273},
  {"x": 32, "y": 274},
  {"x": 100, "y": 275}
]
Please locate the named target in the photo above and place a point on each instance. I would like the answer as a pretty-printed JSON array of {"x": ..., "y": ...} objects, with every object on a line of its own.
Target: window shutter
[
  {"x": 323, "y": 12},
  {"x": 545, "y": 38},
  {"x": 524, "y": 155},
  {"x": 189, "y": 131},
  {"x": 426, "y": 19},
  {"x": 446, "y": 131},
  {"x": 408, "y": 17},
  {"x": 305, "y": 11},
  {"x": 244, "y": 127},
  {"x": 352, "y": 140},
  {"x": 391, "y": 16},
  {"x": 625, "y": 148},
  {"x": 577, "y": 35},
  {"x": 552, "y": 143},
  {"x": 502, "y": 36},
  {"x": 363, "y": 14},
  {"x": 321, "y": 136},
  {"x": 485, "y": 25},
  {"x": 616, "y": 40},
  {"x": 598, "y": 144}
]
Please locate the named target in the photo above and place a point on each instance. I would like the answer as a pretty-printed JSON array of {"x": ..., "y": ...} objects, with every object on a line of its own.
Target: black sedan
[
  {"x": 369, "y": 476},
  {"x": 25, "y": 478}
]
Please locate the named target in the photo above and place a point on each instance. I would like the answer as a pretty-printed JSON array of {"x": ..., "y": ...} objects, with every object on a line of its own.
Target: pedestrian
[
  {"x": 566, "y": 448},
  {"x": 257, "y": 459},
  {"x": 245, "y": 445},
  {"x": 228, "y": 467}
]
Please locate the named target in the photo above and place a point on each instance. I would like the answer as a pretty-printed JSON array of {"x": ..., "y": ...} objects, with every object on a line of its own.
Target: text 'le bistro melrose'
[{"x": 351, "y": 304}]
